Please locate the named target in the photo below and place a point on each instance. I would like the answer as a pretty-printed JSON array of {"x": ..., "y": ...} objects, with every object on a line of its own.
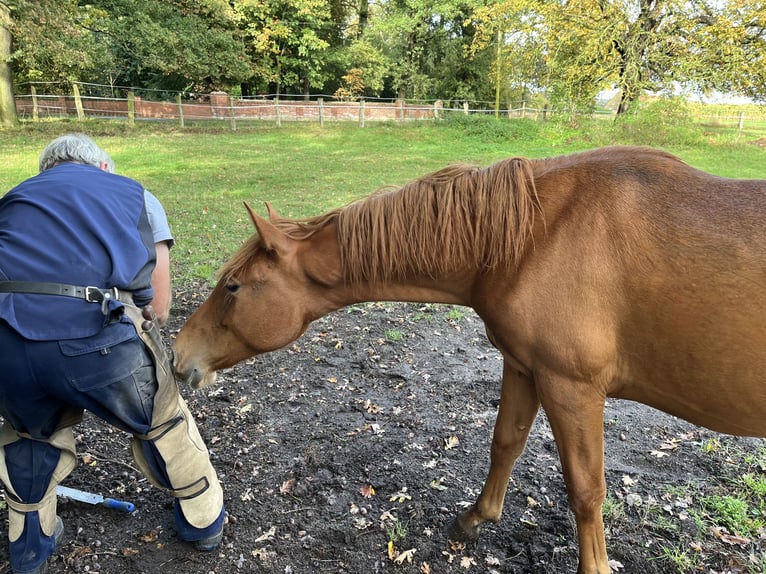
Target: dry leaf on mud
[
  {"x": 627, "y": 481},
  {"x": 438, "y": 484},
  {"x": 130, "y": 552},
  {"x": 615, "y": 566},
  {"x": 400, "y": 496},
  {"x": 268, "y": 535},
  {"x": 287, "y": 486},
  {"x": 467, "y": 561},
  {"x": 367, "y": 490},
  {"x": 406, "y": 555},
  {"x": 658, "y": 453},
  {"x": 451, "y": 442},
  {"x": 670, "y": 444},
  {"x": 362, "y": 523},
  {"x": 425, "y": 568},
  {"x": 371, "y": 407},
  {"x": 150, "y": 536},
  {"x": 732, "y": 539}
]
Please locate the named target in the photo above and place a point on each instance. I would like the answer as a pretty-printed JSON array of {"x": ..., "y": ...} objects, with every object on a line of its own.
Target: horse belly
[{"x": 709, "y": 371}]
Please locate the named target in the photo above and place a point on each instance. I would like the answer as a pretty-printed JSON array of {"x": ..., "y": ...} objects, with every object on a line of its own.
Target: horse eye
[{"x": 232, "y": 287}]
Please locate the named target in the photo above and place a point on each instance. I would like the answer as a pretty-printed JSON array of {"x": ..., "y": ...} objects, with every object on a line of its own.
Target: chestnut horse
[{"x": 617, "y": 272}]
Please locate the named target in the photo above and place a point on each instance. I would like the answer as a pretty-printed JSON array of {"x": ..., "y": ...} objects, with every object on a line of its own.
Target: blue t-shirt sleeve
[{"x": 158, "y": 219}]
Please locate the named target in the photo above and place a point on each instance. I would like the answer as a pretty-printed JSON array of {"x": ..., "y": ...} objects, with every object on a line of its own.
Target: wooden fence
[{"x": 220, "y": 106}]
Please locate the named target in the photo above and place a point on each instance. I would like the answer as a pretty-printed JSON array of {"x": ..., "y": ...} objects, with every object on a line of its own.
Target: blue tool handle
[{"x": 119, "y": 505}]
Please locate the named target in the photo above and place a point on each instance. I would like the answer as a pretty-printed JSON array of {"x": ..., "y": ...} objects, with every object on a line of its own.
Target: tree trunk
[
  {"x": 364, "y": 16},
  {"x": 8, "y": 117}
]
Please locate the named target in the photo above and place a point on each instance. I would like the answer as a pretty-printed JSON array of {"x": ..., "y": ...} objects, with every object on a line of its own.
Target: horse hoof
[{"x": 462, "y": 533}]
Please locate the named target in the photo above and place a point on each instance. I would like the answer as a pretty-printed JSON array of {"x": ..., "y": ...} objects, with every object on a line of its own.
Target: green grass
[{"x": 203, "y": 174}]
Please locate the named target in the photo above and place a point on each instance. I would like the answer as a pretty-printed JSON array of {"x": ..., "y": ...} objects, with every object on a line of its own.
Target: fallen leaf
[
  {"x": 615, "y": 565},
  {"x": 658, "y": 453},
  {"x": 129, "y": 552},
  {"x": 391, "y": 550},
  {"x": 362, "y": 523},
  {"x": 268, "y": 535},
  {"x": 368, "y": 491},
  {"x": 627, "y": 481},
  {"x": 400, "y": 496},
  {"x": 406, "y": 555},
  {"x": 150, "y": 536},
  {"x": 732, "y": 539},
  {"x": 467, "y": 561},
  {"x": 438, "y": 484},
  {"x": 425, "y": 568},
  {"x": 451, "y": 442},
  {"x": 287, "y": 486}
]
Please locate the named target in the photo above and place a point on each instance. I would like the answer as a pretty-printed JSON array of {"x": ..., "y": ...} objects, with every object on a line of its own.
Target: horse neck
[{"x": 453, "y": 290}]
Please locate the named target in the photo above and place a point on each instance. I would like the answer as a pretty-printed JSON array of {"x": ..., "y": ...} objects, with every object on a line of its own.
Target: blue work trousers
[{"x": 45, "y": 385}]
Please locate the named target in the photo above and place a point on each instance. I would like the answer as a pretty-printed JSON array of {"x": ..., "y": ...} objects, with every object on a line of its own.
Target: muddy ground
[{"x": 352, "y": 450}]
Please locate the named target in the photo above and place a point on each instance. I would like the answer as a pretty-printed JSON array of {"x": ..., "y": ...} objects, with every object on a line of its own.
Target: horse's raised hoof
[{"x": 463, "y": 530}]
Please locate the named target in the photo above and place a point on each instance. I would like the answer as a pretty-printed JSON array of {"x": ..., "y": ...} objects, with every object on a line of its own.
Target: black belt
[{"x": 89, "y": 294}]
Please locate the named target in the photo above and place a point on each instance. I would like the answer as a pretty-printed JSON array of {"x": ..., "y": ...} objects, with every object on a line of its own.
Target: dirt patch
[{"x": 375, "y": 427}]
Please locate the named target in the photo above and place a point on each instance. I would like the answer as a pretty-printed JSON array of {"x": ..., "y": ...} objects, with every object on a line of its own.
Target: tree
[
  {"x": 8, "y": 117},
  {"x": 285, "y": 41},
  {"x": 426, "y": 43},
  {"x": 174, "y": 45},
  {"x": 635, "y": 45}
]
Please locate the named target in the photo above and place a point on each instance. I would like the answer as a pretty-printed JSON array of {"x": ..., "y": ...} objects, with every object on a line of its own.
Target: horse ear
[
  {"x": 272, "y": 212},
  {"x": 271, "y": 237}
]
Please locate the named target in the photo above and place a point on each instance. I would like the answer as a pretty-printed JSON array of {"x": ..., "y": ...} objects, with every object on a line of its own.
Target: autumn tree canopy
[{"x": 564, "y": 52}]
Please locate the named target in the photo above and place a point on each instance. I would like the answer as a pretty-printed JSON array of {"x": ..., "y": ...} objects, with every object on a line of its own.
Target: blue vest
[{"x": 74, "y": 224}]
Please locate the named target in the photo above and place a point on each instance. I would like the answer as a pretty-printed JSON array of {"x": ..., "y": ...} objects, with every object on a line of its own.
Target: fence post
[
  {"x": 361, "y": 112},
  {"x": 438, "y": 105},
  {"x": 741, "y": 121},
  {"x": 131, "y": 109},
  {"x": 277, "y": 112},
  {"x": 233, "y": 114},
  {"x": 465, "y": 108},
  {"x": 78, "y": 102},
  {"x": 320, "y": 101},
  {"x": 400, "y": 104},
  {"x": 180, "y": 110},
  {"x": 35, "y": 114}
]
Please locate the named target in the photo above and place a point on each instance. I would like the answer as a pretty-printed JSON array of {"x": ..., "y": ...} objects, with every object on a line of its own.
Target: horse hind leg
[{"x": 518, "y": 407}]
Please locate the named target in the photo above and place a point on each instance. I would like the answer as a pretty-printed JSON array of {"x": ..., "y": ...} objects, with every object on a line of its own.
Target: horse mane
[{"x": 458, "y": 217}]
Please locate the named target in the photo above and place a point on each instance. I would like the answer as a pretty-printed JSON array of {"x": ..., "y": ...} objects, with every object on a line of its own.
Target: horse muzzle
[{"x": 193, "y": 375}]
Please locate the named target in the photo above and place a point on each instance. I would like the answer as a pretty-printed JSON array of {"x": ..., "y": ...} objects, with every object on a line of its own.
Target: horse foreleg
[
  {"x": 575, "y": 410},
  {"x": 518, "y": 407}
]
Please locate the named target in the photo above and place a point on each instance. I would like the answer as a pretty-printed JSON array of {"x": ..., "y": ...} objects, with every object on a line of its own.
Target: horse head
[{"x": 266, "y": 297}]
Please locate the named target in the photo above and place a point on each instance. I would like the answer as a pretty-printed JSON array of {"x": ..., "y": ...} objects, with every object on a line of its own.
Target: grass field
[{"x": 202, "y": 175}]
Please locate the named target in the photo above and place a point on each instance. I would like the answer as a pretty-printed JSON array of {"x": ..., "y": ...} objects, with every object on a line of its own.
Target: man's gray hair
[{"x": 77, "y": 148}]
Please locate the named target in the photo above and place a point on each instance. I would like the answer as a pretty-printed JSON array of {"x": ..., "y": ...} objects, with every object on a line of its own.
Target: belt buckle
[
  {"x": 94, "y": 295},
  {"x": 103, "y": 296}
]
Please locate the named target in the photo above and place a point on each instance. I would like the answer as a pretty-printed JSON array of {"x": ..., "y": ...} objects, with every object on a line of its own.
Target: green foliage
[
  {"x": 492, "y": 129},
  {"x": 733, "y": 513},
  {"x": 683, "y": 560},
  {"x": 394, "y": 335},
  {"x": 658, "y": 122}
]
